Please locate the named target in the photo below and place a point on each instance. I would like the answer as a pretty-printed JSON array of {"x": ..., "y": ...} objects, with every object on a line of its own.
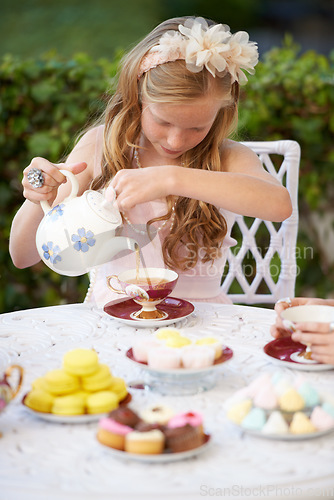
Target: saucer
[
  {"x": 176, "y": 309},
  {"x": 285, "y": 351}
]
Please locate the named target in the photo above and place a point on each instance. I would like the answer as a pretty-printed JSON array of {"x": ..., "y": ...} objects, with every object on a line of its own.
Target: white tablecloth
[{"x": 43, "y": 460}]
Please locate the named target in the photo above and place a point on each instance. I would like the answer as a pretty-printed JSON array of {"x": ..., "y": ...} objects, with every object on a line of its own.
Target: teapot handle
[
  {"x": 19, "y": 383},
  {"x": 74, "y": 191}
]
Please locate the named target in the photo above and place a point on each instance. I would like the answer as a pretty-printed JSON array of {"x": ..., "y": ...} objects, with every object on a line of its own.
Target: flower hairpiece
[{"x": 214, "y": 48}]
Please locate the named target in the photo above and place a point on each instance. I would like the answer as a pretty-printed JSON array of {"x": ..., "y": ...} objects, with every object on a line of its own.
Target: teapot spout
[{"x": 121, "y": 243}]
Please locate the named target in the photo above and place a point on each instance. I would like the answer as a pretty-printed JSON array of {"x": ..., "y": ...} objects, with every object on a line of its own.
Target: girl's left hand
[
  {"x": 320, "y": 336},
  {"x": 141, "y": 185}
]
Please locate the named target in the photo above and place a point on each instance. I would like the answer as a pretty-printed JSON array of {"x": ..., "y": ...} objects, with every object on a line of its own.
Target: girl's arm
[
  {"x": 22, "y": 246},
  {"x": 242, "y": 187}
]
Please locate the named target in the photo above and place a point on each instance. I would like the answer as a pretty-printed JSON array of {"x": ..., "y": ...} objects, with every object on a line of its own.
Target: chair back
[{"x": 262, "y": 268}]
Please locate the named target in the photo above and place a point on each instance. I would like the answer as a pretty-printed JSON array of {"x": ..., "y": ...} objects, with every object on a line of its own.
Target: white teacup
[
  {"x": 303, "y": 314},
  {"x": 308, "y": 313}
]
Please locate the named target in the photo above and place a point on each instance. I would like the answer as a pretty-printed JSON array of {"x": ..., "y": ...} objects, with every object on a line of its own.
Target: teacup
[
  {"x": 307, "y": 313},
  {"x": 7, "y": 392},
  {"x": 147, "y": 287}
]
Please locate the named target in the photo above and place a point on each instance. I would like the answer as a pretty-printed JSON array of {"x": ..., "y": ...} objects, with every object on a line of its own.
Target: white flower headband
[{"x": 214, "y": 48}]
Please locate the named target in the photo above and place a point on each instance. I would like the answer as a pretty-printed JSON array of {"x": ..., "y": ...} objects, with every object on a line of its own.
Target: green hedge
[
  {"x": 45, "y": 102},
  {"x": 292, "y": 97}
]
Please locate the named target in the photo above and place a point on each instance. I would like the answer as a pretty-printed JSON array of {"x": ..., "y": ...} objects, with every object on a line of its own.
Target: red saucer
[
  {"x": 174, "y": 308},
  {"x": 283, "y": 348}
]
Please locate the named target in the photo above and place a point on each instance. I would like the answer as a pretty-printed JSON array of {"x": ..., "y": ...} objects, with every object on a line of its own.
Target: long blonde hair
[{"x": 197, "y": 225}]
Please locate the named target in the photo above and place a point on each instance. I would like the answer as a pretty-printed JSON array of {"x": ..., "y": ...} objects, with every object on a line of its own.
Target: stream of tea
[
  {"x": 140, "y": 259},
  {"x": 144, "y": 280}
]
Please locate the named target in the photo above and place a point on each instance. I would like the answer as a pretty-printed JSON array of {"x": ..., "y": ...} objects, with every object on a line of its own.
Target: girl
[{"x": 162, "y": 144}]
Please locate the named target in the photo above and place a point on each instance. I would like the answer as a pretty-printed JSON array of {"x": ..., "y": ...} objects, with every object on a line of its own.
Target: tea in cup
[{"x": 147, "y": 286}]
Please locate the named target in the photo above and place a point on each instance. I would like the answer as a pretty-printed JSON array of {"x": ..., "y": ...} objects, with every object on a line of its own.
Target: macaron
[
  {"x": 39, "y": 400},
  {"x": 59, "y": 382},
  {"x": 101, "y": 402},
  {"x": 81, "y": 362},
  {"x": 118, "y": 386},
  {"x": 71, "y": 404},
  {"x": 39, "y": 383},
  {"x": 100, "y": 380}
]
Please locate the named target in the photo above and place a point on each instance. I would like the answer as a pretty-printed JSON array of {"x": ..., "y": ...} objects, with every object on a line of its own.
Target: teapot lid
[{"x": 102, "y": 207}]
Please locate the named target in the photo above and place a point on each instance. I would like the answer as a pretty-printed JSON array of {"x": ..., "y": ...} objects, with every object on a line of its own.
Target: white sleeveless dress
[{"x": 201, "y": 283}]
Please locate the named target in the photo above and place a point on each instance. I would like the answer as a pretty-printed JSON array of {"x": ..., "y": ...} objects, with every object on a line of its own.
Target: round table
[{"x": 45, "y": 460}]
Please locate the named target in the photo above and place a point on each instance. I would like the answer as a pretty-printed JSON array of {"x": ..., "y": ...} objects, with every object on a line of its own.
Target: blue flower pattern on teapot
[
  {"x": 51, "y": 252},
  {"x": 56, "y": 212},
  {"x": 83, "y": 240}
]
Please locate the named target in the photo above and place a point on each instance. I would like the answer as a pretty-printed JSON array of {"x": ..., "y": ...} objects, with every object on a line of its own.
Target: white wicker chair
[{"x": 280, "y": 252}]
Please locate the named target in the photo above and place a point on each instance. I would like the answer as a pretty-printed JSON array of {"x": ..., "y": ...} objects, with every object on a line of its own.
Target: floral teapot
[
  {"x": 7, "y": 392},
  {"x": 79, "y": 233}
]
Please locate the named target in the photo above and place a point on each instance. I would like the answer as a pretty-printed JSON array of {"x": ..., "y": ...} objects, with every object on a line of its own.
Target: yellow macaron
[
  {"x": 118, "y": 386},
  {"x": 101, "y": 379},
  {"x": 71, "y": 404},
  {"x": 39, "y": 400},
  {"x": 101, "y": 402},
  {"x": 39, "y": 383},
  {"x": 81, "y": 362},
  {"x": 59, "y": 382}
]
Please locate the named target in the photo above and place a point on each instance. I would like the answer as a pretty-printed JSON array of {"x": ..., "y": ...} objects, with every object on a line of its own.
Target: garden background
[{"x": 58, "y": 60}]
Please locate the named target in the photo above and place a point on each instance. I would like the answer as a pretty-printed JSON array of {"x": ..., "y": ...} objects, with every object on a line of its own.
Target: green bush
[
  {"x": 292, "y": 97},
  {"x": 44, "y": 103}
]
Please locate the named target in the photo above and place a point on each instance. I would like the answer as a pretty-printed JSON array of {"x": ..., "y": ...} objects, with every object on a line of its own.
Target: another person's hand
[
  {"x": 52, "y": 179},
  {"x": 320, "y": 336},
  {"x": 277, "y": 330}
]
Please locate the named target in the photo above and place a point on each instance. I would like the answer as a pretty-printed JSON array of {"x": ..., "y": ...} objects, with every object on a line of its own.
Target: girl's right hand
[{"x": 53, "y": 178}]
